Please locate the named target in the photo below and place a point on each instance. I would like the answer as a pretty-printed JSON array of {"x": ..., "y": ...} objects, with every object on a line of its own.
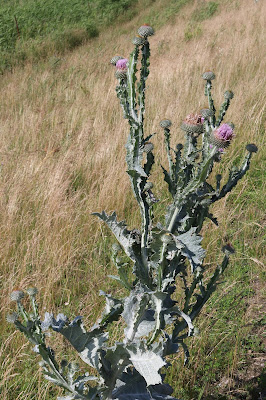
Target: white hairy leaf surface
[{"x": 147, "y": 364}]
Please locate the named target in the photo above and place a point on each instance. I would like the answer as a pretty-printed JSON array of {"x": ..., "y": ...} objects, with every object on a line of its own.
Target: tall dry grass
[{"x": 62, "y": 157}]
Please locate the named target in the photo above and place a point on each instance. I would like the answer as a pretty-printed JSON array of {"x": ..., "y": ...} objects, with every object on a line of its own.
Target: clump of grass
[{"x": 205, "y": 11}]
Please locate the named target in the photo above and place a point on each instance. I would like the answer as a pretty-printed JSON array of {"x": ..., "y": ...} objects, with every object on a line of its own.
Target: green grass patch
[
  {"x": 33, "y": 29},
  {"x": 205, "y": 11}
]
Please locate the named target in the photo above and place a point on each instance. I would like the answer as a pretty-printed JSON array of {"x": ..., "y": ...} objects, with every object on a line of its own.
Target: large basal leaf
[
  {"x": 133, "y": 387},
  {"x": 121, "y": 233},
  {"x": 146, "y": 325},
  {"x": 113, "y": 362},
  {"x": 148, "y": 364},
  {"x": 134, "y": 312},
  {"x": 112, "y": 311},
  {"x": 87, "y": 344},
  {"x": 189, "y": 244}
]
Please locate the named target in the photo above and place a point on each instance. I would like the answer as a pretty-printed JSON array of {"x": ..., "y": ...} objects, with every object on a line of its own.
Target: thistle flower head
[
  {"x": 122, "y": 63},
  {"x": 165, "y": 123},
  {"x": 228, "y": 95},
  {"x": 222, "y": 136},
  {"x": 121, "y": 68},
  {"x": 206, "y": 113},
  {"x": 138, "y": 40},
  {"x": 208, "y": 76},
  {"x": 224, "y": 132},
  {"x": 17, "y": 295},
  {"x": 252, "y": 148},
  {"x": 193, "y": 123},
  {"x": 145, "y": 30},
  {"x": 32, "y": 291},
  {"x": 12, "y": 318},
  {"x": 148, "y": 147}
]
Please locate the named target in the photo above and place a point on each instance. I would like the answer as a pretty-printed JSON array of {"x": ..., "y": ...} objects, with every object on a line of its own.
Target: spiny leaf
[{"x": 148, "y": 364}]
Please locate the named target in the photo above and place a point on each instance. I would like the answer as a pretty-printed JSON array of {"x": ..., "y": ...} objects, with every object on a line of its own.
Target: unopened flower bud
[
  {"x": 252, "y": 148},
  {"x": 145, "y": 31},
  {"x": 32, "y": 291},
  {"x": 165, "y": 123},
  {"x": 148, "y": 147},
  {"x": 12, "y": 318},
  {"x": 228, "y": 95},
  {"x": 208, "y": 76},
  {"x": 139, "y": 40},
  {"x": 206, "y": 113},
  {"x": 17, "y": 295}
]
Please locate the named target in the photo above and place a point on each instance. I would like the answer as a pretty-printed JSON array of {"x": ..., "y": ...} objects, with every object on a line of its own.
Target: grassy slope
[
  {"x": 34, "y": 29},
  {"x": 62, "y": 141}
]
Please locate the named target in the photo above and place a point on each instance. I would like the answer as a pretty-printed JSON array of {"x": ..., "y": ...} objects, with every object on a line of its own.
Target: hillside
[{"x": 62, "y": 157}]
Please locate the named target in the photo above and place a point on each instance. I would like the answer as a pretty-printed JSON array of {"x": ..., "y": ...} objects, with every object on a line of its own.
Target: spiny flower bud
[
  {"x": 115, "y": 59},
  {"x": 139, "y": 40},
  {"x": 145, "y": 30},
  {"x": 193, "y": 124},
  {"x": 17, "y": 295},
  {"x": 148, "y": 147},
  {"x": 206, "y": 113},
  {"x": 208, "y": 76},
  {"x": 32, "y": 291},
  {"x": 222, "y": 136},
  {"x": 228, "y": 95},
  {"x": 252, "y": 148},
  {"x": 12, "y": 318},
  {"x": 165, "y": 123}
]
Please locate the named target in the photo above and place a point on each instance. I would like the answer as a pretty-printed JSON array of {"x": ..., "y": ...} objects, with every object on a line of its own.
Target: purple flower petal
[{"x": 122, "y": 64}]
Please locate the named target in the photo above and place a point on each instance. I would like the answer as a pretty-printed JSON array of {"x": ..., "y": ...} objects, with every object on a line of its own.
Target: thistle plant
[{"x": 151, "y": 261}]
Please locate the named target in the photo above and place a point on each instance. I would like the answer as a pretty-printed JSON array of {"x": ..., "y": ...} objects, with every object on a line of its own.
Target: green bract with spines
[{"x": 150, "y": 260}]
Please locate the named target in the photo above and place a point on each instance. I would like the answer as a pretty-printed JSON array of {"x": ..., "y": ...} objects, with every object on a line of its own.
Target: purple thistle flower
[
  {"x": 224, "y": 133},
  {"x": 122, "y": 64}
]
